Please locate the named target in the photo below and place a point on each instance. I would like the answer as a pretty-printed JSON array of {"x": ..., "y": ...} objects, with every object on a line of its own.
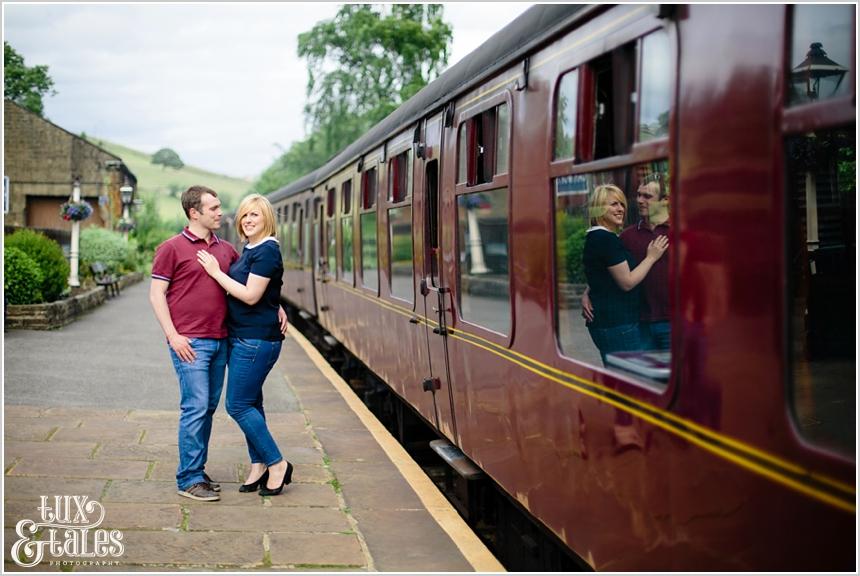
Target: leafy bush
[
  {"x": 48, "y": 256},
  {"x": 22, "y": 279},
  {"x": 105, "y": 246}
]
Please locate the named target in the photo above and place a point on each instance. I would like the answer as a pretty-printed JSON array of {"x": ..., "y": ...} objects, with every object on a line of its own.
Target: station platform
[{"x": 92, "y": 410}]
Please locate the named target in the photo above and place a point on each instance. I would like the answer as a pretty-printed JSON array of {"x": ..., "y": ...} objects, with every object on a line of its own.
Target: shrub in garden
[
  {"x": 105, "y": 246},
  {"x": 22, "y": 279},
  {"x": 48, "y": 256}
]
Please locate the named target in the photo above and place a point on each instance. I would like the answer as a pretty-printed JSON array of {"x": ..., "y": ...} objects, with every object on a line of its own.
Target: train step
[{"x": 456, "y": 459}]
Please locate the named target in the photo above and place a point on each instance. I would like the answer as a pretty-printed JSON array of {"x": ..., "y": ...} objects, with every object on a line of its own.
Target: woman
[
  {"x": 612, "y": 277},
  {"x": 253, "y": 288}
]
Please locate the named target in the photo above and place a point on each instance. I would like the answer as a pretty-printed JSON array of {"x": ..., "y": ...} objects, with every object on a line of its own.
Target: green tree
[
  {"x": 167, "y": 157},
  {"x": 25, "y": 85},
  {"x": 362, "y": 65}
]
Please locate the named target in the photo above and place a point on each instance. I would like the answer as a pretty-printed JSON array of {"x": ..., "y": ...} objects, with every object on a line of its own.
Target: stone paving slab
[{"x": 348, "y": 508}]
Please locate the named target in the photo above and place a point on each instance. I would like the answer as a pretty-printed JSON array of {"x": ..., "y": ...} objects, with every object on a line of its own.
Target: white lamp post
[
  {"x": 74, "y": 282},
  {"x": 126, "y": 196}
]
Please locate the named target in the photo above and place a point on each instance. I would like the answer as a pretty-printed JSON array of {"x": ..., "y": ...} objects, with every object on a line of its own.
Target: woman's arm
[
  {"x": 249, "y": 293},
  {"x": 628, "y": 279}
]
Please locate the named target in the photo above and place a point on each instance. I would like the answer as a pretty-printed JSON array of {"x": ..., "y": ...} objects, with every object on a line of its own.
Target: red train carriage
[{"x": 444, "y": 250}]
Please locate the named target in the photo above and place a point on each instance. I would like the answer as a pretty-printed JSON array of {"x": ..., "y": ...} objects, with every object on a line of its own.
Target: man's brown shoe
[
  {"x": 215, "y": 486},
  {"x": 200, "y": 491}
]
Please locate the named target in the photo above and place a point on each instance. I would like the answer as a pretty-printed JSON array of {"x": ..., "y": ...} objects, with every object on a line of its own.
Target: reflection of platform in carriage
[{"x": 655, "y": 364}]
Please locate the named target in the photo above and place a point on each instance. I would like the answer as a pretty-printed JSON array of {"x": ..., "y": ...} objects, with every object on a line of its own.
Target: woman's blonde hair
[
  {"x": 599, "y": 201},
  {"x": 262, "y": 204}
]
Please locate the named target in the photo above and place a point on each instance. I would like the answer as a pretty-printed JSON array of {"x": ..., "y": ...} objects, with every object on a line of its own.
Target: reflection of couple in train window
[{"x": 626, "y": 306}]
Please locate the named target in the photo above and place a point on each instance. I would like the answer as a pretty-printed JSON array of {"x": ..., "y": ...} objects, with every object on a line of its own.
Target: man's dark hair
[{"x": 191, "y": 199}]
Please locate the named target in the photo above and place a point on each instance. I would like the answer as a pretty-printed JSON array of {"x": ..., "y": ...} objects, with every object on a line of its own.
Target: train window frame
[
  {"x": 395, "y": 194},
  {"x": 499, "y": 181},
  {"x": 634, "y": 154}
]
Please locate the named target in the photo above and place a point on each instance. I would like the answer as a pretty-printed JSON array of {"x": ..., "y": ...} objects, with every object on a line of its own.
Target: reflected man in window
[{"x": 652, "y": 200}]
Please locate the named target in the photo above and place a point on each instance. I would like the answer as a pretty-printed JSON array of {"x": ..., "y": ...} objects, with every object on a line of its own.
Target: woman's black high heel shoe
[
  {"x": 252, "y": 487},
  {"x": 288, "y": 477}
]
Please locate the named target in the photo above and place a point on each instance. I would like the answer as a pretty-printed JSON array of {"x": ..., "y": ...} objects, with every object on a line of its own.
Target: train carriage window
[
  {"x": 820, "y": 53},
  {"x": 346, "y": 232},
  {"x": 655, "y": 94},
  {"x": 613, "y": 84},
  {"x": 331, "y": 236},
  {"x": 462, "y": 153},
  {"x": 369, "y": 256},
  {"x": 484, "y": 147},
  {"x": 368, "y": 189},
  {"x": 295, "y": 234},
  {"x": 821, "y": 238},
  {"x": 628, "y": 330},
  {"x": 485, "y": 286},
  {"x": 367, "y": 230},
  {"x": 400, "y": 233},
  {"x": 503, "y": 134},
  {"x": 400, "y": 177},
  {"x": 565, "y": 115}
]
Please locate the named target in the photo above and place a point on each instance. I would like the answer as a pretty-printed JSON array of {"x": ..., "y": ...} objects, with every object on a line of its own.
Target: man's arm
[{"x": 158, "y": 299}]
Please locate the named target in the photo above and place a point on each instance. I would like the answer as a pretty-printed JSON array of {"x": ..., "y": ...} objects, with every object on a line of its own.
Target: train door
[{"x": 435, "y": 295}]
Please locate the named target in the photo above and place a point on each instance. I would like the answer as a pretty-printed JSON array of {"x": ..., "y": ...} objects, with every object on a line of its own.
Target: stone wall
[
  {"x": 53, "y": 315},
  {"x": 42, "y": 159}
]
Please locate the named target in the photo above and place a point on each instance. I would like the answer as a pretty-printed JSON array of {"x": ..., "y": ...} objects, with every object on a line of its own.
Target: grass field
[{"x": 167, "y": 184}]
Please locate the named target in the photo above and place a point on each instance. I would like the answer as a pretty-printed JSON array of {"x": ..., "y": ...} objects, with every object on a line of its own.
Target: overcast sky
[{"x": 219, "y": 83}]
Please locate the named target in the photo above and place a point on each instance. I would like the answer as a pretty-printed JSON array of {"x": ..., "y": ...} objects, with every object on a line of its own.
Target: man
[
  {"x": 192, "y": 309},
  {"x": 652, "y": 200}
]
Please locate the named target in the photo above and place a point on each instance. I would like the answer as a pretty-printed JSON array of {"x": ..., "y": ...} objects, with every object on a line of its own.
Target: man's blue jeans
[
  {"x": 250, "y": 363},
  {"x": 657, "y": 335},
  {"x": 200, "y": 384}
]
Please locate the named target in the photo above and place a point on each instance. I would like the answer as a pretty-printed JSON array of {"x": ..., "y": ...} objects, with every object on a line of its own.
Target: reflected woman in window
[
  {"x": 253, "y": 288},
  {"x": 612, "y": 278}
]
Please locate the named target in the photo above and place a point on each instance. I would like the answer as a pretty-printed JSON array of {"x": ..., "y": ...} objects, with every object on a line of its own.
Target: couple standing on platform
[{"x": 207, "y": 331}]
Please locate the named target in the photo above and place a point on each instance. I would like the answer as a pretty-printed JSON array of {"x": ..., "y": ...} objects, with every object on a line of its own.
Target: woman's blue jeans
[
  {"x": 621, "y": 338},
  {"x": 249, "y": 364},
  {"x": 200, "y": 384}
]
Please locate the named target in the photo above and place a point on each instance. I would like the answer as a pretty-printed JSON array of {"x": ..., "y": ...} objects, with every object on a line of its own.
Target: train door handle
[
  {"x": 414, "y": 320},
  {"x": 300, "y": 290}
]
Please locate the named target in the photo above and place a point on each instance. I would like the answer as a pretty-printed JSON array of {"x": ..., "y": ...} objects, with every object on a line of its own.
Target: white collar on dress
[
  {"x": 266, "y": 239},
  {"x": 593, "y": 228}
]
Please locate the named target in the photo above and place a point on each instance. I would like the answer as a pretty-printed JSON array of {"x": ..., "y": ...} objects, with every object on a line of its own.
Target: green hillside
[{"x": 167, "y": 184}]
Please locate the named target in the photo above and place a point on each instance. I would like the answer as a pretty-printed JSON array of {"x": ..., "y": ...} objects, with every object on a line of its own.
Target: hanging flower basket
[{"x": 76, "y": 211}]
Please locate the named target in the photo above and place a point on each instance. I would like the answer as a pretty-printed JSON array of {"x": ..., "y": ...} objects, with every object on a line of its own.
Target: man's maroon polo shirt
[
  {"x": 655, "y": 286},
  {"x": 197, "y": 303}
]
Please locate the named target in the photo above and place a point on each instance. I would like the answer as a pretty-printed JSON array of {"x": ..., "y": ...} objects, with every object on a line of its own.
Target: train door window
[
  {"x": 566, "y": 102},
  {"x": 331, "y": 236},
  {"x": 822, "y": 251},
  {"x": 485, "y": 287},
  {"x": 655, "y": 92},
  {"x": 400, "y": 177},
  {"x": 431, "y": 232},
  {"x": 317, "y": 232},
  {"x": 346, "y": 232},
  {"x": 627, "y": 331},
  {"x": 820, "y": 53},
  {"x": 400, "y": 233},
  {"x": 613, "y": 84},
  {"x": 306, "y": 235}
]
